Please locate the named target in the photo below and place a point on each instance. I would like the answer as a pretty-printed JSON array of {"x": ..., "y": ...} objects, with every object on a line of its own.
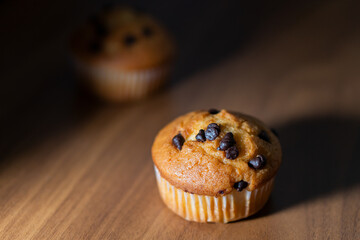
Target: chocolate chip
[
  {"x": 275, "y": 132},
  {"x": 129, "y": 40},
  {"x": 147, "y": 31},
  {"x": 200, "y": 137},
  {"x": 227, "y": 141},
  {"x": 258, "y": 162},
  {"x": 95, "y": 46},
  {"x": 221, "y": 192},
  {"x": 264, "y": 136},
  {"x": 213, "y": 111},
  {"x": 178, "y": 141},
  {"x": 212, "y": 131},
  {"x": 214, "y": 125},
  {"x": 239, "y": 186},
  {"x": 232, "y": 153}
]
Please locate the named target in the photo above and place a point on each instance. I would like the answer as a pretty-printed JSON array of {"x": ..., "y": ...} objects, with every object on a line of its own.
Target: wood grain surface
[{"x": 74, "y": 168}]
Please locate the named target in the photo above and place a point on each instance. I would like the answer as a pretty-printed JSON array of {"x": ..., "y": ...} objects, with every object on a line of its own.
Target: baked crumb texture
[{"x": 200, "y": 168}]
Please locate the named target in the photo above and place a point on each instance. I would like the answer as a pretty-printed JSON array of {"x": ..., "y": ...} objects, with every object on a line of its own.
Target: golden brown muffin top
[
  {"x": 123, "y": 38},
  {"x": 201, "y": 168}
]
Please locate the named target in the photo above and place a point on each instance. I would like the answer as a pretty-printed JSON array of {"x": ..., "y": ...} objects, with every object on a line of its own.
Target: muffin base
[
  {"x": 200, "y": 208},
  {"x": 122, "y": 85}
]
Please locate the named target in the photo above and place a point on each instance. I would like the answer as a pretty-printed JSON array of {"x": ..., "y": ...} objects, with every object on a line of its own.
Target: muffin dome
[
  {"x": 215, "y": 152},
  {"x": 123, "y": 38}
]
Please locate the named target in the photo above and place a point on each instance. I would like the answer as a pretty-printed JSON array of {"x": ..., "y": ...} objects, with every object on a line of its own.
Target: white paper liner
[
  {"x": 121, "y": 84},
  {"x": 200, "y": 208}
]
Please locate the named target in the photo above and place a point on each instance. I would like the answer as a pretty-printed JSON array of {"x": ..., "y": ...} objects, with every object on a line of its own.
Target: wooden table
[{"x": 73, "y": 168}]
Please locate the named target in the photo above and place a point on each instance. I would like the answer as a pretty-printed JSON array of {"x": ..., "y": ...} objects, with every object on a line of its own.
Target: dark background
[{"x": 35, "y": 34}]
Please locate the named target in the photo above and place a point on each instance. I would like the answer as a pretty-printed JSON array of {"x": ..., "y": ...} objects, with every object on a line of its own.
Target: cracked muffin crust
[{"x": 200, "y": 167}]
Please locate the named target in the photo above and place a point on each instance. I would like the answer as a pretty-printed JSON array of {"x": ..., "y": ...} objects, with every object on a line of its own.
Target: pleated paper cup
[
  {"x": 122, "y": 85},
  {"x": 201, "y": 208}
]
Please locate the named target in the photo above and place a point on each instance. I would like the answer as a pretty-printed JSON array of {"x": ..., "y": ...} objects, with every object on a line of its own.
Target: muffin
[
  {"x": 122, "y": 54},
  {"x": 215, "y": 166}
]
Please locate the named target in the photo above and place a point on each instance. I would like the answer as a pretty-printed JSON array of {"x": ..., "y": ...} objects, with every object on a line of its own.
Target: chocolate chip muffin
[
  {"x": 215, "y": 166},
  {"x": 122, "y": 54}
]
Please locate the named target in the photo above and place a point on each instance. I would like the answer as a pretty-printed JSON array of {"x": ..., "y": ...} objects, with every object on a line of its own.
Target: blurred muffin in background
[{"x": 122, "y": 54}]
